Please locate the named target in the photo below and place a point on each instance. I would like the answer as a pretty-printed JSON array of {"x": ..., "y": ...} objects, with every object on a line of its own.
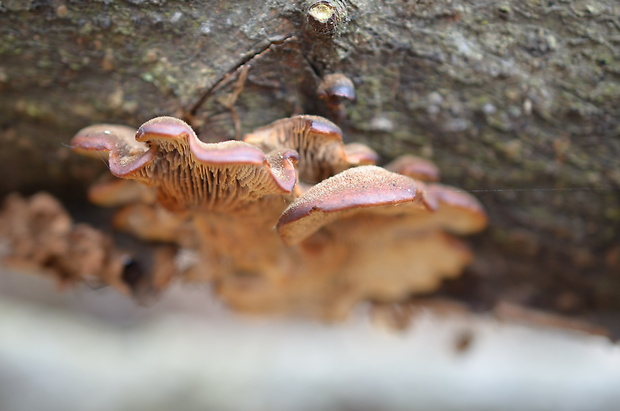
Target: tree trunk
[{"x": 516, "y": 101}]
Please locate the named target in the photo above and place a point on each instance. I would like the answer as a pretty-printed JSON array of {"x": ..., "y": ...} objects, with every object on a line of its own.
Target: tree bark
[{"x": 516, "y": 101}]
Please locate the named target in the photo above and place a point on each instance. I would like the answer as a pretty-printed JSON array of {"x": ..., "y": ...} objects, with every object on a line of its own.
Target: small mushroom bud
[
  {"x": 325, "y": 16},
  {"x": 334, "y": 89}
]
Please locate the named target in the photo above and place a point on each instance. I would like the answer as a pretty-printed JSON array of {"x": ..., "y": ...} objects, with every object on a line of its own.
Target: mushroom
[
  {"x": 364, "y": 188},
  {"x": 218, "y": 190},
  {"x": 187, "y": 172},
  {"x": 388, "y": 256},
  {"x": 335, "y": 89},
  {"x": 37, "y": 233},
  {"x": 290, "y": 220},
  {"x": 414, "y": 167},
  {"x": 458, "y": 212},
  {"x": 111, "y": 192},
  {"x": 318, "y": 142},
  {"x": 356, "y": 236}
]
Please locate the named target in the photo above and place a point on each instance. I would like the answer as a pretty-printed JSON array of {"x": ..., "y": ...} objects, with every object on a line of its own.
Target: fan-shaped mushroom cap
[
  {"x": 187, "y": 172},
  {"x": 126, "y": 154},
  {"x": 318, "y": 142},
  {"x": 364, "y": 188},
  {"x": 414, "y": 167},
  {"x": 457, "y": 211}
]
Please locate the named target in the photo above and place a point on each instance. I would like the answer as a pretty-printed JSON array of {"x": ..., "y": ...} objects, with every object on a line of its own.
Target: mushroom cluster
[
  {"x": 38, "y": 235},
  {"x": 289, "y": 220}
]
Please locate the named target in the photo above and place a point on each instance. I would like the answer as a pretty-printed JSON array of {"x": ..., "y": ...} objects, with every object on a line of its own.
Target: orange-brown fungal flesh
[
  {"x": 150, "y": 222},
  {"x": 112, "y": 191},
  {"x": 414, "y": 167},
  {"x": 353, "y": 190},
  {"x": 189, "y": 173},
  {"x": 34, "y": 230},
  {"x": 318, "y": 142},
  {"x": 392, "y": 267}
]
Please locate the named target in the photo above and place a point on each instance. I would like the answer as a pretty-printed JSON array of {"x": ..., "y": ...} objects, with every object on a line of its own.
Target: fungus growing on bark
[
  {"x": 229, "y": 191},
  {"x": 375, "y": 212},
  {"x": 290, "y": 220},
  {"x": 335, "y": 89},
  {"x": 38, "y": 234}
]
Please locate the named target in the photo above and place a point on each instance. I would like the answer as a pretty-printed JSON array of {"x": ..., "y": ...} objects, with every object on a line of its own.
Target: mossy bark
[{"x": 518, "y": 101}]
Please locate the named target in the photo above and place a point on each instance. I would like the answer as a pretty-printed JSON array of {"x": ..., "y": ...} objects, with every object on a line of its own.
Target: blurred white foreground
[{"x": 89, "y": 350}]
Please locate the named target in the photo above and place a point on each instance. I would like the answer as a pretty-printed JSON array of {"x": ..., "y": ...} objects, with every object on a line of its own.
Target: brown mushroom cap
[
  {"x": 318, "y": 142},
  {"x": 458, "y": 211},
  {"x": 336, "y": 87},
  {"x": 414, "y": 167},
  {"x": 126, "y": 154},
  {"x": 358, "y": 154},
  {"x": 367, "y": 188},
  {"x": 187, "y": 172}
]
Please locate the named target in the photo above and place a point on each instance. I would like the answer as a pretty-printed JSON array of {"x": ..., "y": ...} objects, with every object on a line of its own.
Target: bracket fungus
[{"x": 289, "y": 220}]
